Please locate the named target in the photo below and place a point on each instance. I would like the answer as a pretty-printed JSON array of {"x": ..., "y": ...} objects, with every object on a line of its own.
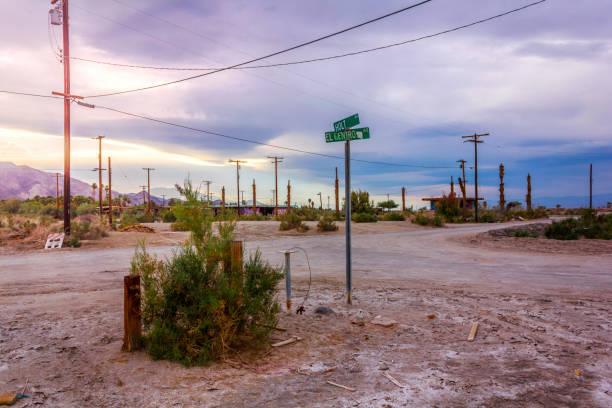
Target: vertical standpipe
[
  {"x": 288, "y": 278},
  {"x": 347, "y": 215}
]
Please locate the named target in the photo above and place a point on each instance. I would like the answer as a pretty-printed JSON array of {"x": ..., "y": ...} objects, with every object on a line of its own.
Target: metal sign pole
[{"x": 347, "y": 215}]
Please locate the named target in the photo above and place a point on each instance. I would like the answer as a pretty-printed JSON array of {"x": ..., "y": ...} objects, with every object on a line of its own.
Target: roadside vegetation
[
  {"x": 197, "y": 306},
  {"x": 589, "y": 226}
]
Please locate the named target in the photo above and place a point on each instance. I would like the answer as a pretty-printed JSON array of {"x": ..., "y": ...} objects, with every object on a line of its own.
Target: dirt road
[{"x": 542, "y": 316}]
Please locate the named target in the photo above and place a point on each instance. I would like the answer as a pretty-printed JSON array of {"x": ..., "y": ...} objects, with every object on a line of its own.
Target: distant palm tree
[{"x": 94, "y": 186}]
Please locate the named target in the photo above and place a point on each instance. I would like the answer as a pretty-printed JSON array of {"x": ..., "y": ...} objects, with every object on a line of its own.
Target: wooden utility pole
[
  {"x": 99, "y": 138},
  {"x": 591, "y": 186},
  {"x": 132, "y": 325},
  {"x": 223, "y": 200},
  {"x": 288, "y": 196},
  {"x": 148, "y": 169},
  {"x": 475, "y": 138},
  {"x": 462, "y": 182},
  {"x": 67, "y": 99},
  {"x": 163, "y": 201},
  {"x": 337, "y": 198},
  {"x": 403, "y": 199},
  {"x": 57, "y": 195},
  {"x": 277, "y": 160},
  {"x": 528, "y": 197},
  {"x": 242, "y": 197},
  {"x": 110, "y": 195},
  {"x": 452, "y": 187},
  {"x": 320, "y": 201},
  {"x": 502, "y": 197},
  {"x": 254, "y": 199},
  {"x": 237, "y": 181},
  {"x": 144, "y": 197},
  {"x": 207, "y": 182}
]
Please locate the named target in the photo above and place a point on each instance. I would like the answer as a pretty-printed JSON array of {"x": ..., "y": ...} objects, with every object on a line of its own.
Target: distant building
[{"x": 469, "y": 202}]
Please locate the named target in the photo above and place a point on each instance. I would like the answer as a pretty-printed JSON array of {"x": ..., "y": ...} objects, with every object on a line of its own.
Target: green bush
[
  {"x": 145, "y": 217},
  {"x": 179, "y": 226},
  {"x": 422, "y": 219},
  {"x": 306, "y": 213},
  {"x": 291, "y": 221},
  {"x": 364, "y": 217},
  {"x": 448, "y": 207},
  {"x": 197, "y": 306},
  {"x": 86, "y": 209},
  {"x": 589, "y": 226},
  {"x": 326, "y": 223},
  {"x": 87, "y": 230},
  {"x": 128, "y": 218},
  {"x": 12, "y": 205},
  {"x": 525, "y": 234},
  {"x": 487, "y": 216},
  {"x": 253, "y": 217},
  {"x": 169, "y": 216},
  {"x": 30, "y": 208},
  {"x": 394, "y": 216},
  {"x": 360, "y": 203},
  {"x": 73, "y": 242}
]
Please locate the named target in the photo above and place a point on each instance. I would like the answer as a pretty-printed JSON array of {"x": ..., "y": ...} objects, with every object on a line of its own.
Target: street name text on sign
[
  {"x": 353, "y": 134},
  {"x": 346, "y": 123}
]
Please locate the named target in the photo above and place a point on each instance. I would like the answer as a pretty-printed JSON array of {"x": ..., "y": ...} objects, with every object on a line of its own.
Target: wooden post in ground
[
  {"x": 288, "y": 196},
  {"x": 528, "y": 197},
  {"x": 403, "y": 199},
  {"x": 254, "y": 199},
  {"x": 132, "y": 329},
  {"x": 337, "y": 198},
  {"x": 502, "y": 197},
  {"x": 223, "y": 200},
  {"x": 237, "y": 255}
]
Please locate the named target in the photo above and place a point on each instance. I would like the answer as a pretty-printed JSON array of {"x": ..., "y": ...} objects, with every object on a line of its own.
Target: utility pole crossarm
[{"x": 237, "y": 181}]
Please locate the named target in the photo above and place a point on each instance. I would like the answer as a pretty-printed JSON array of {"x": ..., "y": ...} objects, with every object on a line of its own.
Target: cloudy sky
[{"x": 537, "y": 80}]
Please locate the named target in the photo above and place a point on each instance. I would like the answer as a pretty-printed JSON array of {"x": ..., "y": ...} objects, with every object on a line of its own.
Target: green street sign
[
  {"x": 345, "y": 123},
  {"x": 353, "y": 134}
]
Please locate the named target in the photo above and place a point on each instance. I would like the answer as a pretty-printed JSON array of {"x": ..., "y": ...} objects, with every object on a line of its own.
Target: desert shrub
[
  {"x": 291, "y": 221},
  {"x": 589, "y": 226},
  {"x": 253, "y": 217},
  {"x": 525, "y": 234},
  {"x": 197, "y": 305},
  {"x": 394, "y": 216},
  {"x": 388, "y": 205},
  {"x": 128, "y": 218},
  {"x": 30, "y": 208},
  {"x": 145, "y": 217},
  {"x": 364, "y": 217},
  {"x": 179, "y": 226},
  {"x": 487, "y": 216},
  {"x": 49, "y": 209},
  {"x": 11, "y": 205},
  {"x": 86, "y": 208},
  {"x": 306, "y": 213},
  {"x": 326, "y": 223},
  {"x": 46, "y": 220},
  {"x": 169, "y": 217},
  {"x": 448, "y": 207},
  {"x": 88, "y": 230},
  {"x": 422, "y": 219},
  {"x": 73, "y": 242},
  {"x": 360, "y": 202}
]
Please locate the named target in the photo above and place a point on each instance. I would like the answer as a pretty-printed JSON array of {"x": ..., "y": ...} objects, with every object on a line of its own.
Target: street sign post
[
  {"x": 346, "y": 123},
  {"x": 351, "y": 134},
  {"x": 343, "y": 133}
]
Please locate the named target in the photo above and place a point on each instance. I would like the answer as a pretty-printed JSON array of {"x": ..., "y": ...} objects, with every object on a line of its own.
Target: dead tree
[
  {"x": 528, "y": 198},
  {"x": 502, "y": 198}
]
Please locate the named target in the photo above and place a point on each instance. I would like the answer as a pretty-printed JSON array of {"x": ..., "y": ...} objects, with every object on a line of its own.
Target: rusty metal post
[
  {"x": 237, "y": 255},
  {"x": 403, "y": 199},
  {"x": 131, "y": 313},
  {"x": 288, "y": 278},
  {"x": 223, "y": 200},
  {"x": 254, "y": 199},
  {"x": 288, "y": 196}
]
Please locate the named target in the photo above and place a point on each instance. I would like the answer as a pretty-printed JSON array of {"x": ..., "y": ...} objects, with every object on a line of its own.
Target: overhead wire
[
  {"x": 306, "y": 61},
  {"x": 265, "y": 56}
]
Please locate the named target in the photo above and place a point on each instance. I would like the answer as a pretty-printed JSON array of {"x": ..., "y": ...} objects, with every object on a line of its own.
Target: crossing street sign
[
  {"x": 346, "y": 123},
  {"x": 353, "y": 134}
]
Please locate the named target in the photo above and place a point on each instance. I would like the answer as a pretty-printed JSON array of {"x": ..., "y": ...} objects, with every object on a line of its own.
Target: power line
[
  {"x": 240, "y": 139},
  {"x": 280, "y": 64},
  {"x": 268, "y": 55}
]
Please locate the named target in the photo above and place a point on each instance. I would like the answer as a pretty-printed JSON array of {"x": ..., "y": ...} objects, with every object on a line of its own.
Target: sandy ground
[{"x": 542, "y": 316}]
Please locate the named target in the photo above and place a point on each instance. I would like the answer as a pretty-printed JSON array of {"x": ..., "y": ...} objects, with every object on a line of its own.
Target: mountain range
[{"x": 26, "y": 182}]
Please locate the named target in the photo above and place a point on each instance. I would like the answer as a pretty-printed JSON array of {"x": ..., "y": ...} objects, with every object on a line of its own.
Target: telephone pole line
[
  {"x": 475, "y": 138},
  {"x": 163, "y": 201},
  {"x": 148, "y": 169},
  {"x": 57, "y": 195},
  {"x": 591, "y": 186},
  {"x": 277, "y": 160},
  {"x": 207, "y": 182},
  {"x": 320, "y": 201},
  {"x": 237, "y": 181},
  {"x": 462, "y": 186},
  {"x": 99, "y": 138},
  {"x": 144, "y": 198}
]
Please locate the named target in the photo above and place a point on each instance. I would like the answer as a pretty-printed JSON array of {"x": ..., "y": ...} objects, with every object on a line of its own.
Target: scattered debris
[
  {"x": 324, "y": 310},
  {"x": 137, "y": 228},
  {"x": 473, "y": 331},
  {"x": 431, "y": 316},
  {"x": 10, "y": 399},
  {"x": 121, "y": 361},
  {"x": 288, "y": 341},
  {"x": 315, "y": 368},
  {"x": 340, "y": 386},
  {"x": 577, "y": 372},
  {"x": 383, "y": 321},
  {"x": 393, "y": 380}
]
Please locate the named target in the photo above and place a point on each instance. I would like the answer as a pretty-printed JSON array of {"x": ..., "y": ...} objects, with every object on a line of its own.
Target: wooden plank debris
[
  {"x": 288, "y": 341},
  {"x": 393, "y": 380},
  {"x": 340, "y": 386},
  {"x": 473, "y": 331}
]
